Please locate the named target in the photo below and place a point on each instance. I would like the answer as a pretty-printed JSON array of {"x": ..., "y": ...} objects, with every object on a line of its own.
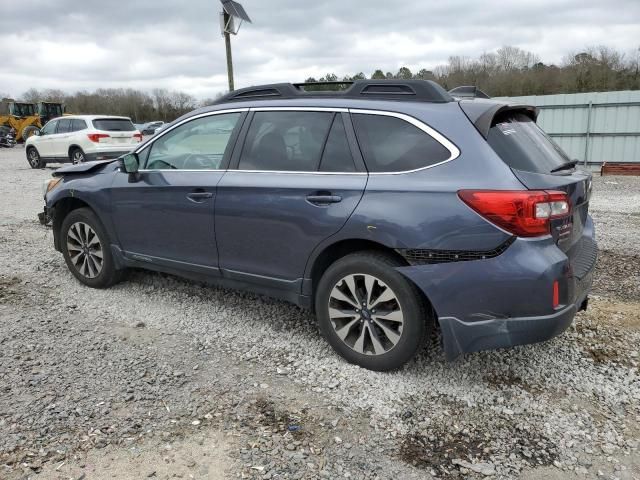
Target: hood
[{"x": 84, "y": 167}]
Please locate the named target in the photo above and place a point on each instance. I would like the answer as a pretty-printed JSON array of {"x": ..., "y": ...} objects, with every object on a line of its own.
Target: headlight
[{"x": 50, "y": 184}]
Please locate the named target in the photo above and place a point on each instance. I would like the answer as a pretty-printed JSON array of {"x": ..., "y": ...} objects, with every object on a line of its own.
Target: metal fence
[{"x": 592, "y": 127}]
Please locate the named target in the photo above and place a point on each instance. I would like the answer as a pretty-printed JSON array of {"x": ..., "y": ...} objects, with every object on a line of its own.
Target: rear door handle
[
  {"x": 323, "y": 199},
  {"x": 199, "y": 197}
]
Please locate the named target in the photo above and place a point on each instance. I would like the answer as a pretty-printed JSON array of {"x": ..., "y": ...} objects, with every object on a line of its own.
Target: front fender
[{"x": 77, "y": 192}]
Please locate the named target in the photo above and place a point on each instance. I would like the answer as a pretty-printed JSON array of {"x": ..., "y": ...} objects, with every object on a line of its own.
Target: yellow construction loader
[
  {"x": 20, "y": 116},
  {"x": 49, "y": 110}
]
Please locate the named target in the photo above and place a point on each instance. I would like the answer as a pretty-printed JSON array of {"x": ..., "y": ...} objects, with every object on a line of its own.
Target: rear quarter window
[
  {"x": 391, "y": 144},
  {"x": 113, "y": 124},
  {"x": 523, "y": 145}
]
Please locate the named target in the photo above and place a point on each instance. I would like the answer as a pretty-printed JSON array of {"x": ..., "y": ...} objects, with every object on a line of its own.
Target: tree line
[
  {"x": 159, "y": 104},
  {"x": 509, "y": 71}
]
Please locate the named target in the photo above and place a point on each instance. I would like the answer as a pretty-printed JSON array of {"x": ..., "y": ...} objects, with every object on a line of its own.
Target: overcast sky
[{"x": 176, "y": 44}]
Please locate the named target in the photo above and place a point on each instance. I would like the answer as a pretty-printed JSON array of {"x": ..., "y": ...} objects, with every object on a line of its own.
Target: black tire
[
  {"x": 76, "y": 155},
  {"x": 416, "y": 322},
  {"x": 104, "y": 277},
  {"x": 34, "y": 159},
  {"x": 28, "y": 131}
]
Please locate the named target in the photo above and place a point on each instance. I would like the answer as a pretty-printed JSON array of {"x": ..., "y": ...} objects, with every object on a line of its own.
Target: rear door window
[
  {"x": 523, "y": 145},
  {"x": 113, "y": 124},
  {"x": 391, "y": 144},
  {"x": 286, "y": 141},
  {"x": 77, "y": 125}
]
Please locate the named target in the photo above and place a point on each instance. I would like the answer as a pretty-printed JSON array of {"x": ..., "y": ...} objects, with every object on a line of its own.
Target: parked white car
[{"x": 80, "y": 138}]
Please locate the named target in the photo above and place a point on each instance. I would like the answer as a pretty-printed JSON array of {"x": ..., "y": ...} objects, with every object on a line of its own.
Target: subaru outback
[{"x": 388, "y": 209}]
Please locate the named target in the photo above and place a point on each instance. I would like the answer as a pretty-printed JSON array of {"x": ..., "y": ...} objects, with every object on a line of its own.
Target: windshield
[
  {"x": 52, "y": 109},
  {"x": 24, "y": 109},
  {"x": 523, "y": 145}
]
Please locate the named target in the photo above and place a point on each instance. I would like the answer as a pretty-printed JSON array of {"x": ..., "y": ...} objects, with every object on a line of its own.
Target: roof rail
[
  {"x": 404, "y": 90},
  {"x": 468, "y": 91}
]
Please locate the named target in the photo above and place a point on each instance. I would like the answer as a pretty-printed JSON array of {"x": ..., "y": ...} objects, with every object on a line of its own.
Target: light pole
[{"x": 232, "y": 12}]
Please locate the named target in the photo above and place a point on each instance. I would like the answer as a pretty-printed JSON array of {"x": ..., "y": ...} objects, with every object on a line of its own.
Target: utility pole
[
  {"x": 232, "y": 13},
  {"x": 227, "y": 43}
]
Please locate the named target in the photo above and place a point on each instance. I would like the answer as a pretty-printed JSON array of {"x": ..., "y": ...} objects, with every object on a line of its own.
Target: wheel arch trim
[{"x": 58, "y": 207}]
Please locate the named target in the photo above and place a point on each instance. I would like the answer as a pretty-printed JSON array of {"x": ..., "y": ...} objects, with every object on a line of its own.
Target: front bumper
[
  {"x": 506, "y": 300},
  {"x": 45, "y": 217}
]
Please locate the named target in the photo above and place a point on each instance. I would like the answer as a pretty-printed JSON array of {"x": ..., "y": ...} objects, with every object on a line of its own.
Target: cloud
[{"x": 74, "y": 45}]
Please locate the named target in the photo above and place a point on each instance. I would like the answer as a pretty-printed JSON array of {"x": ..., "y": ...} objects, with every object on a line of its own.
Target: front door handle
[
  {"x": 323, "y": 199},
  {"x": 199, "y": 197}
]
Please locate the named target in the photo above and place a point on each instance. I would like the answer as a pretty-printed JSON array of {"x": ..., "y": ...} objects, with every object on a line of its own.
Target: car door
[
  {"x": 60, "y": 140},
  {"x": 44, "y": 143},
  {"x": 295, "y": 182},
  {"x": 166, "y": 216}
]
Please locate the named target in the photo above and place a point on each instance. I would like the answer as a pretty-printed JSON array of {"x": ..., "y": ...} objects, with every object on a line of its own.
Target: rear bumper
[
  {"x": 466, "y": 337},
  {"x": 507, "y": 300},
  {"x": 105, "y": 154}
]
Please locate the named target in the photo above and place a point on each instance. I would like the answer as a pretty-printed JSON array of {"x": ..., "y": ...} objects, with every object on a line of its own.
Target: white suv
[{"x": 79, "y": 138}]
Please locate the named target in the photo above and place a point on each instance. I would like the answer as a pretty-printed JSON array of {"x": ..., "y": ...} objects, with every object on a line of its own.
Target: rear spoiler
[{"x": 482, "y": 113}]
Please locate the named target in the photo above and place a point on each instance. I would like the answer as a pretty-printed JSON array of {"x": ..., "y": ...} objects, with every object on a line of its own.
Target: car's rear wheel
[
  {"x": 86, "y": 249},
  {"x": 76, "y": 155},
  {"x": 369, "y": 313},
  {"x": 34, "y": 159}
]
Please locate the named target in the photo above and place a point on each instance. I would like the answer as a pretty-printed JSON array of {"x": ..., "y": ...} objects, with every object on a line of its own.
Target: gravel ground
[{"x": 162, "y": 378}]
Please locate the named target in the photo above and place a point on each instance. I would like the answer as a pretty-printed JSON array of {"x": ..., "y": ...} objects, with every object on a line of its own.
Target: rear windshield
[
  {"x": 113, "y": 124},
  {"x": 523, "y": 145}
]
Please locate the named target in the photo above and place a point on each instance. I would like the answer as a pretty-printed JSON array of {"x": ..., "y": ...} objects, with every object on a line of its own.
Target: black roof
[{"x": 403, "y": 90}]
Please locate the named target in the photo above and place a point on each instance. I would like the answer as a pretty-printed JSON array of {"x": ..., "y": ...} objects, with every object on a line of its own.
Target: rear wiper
[{"x": 565, "y": 166}]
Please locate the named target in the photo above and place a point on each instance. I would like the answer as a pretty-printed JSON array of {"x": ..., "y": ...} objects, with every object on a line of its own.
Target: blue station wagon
[{"x": 388, "y": 208}]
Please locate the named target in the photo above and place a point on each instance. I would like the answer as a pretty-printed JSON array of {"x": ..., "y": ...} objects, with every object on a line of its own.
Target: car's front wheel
[
  {"x": 86, "y": 249},
  {"x": 34, "y": 159},
  {"x": 369, "y": 313}
]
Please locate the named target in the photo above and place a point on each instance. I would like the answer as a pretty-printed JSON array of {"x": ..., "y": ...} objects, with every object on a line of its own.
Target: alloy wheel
[
  {"x": 85, "y": 249},
  {"x": 366, "y": 314},
  {"x": 34, "y": 158},
  {"x": 78, "y": 157}
]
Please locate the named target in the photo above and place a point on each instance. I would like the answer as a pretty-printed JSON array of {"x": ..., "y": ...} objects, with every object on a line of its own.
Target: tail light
[
  {"x": 525, "y": 213},
  {"x": 95, "y": 137},
  {"x": 137, "y": 136}
]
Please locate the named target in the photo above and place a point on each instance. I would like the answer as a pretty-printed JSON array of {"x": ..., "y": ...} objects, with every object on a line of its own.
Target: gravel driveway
[{"x": 162, "y": 378}]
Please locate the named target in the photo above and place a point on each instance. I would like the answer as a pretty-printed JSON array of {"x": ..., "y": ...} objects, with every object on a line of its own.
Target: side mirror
[
  {"x": 130, "y": 163},
  {"x": 38, "y": 133}
]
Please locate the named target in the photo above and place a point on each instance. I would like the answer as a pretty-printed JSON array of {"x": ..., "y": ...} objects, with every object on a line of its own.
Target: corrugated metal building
[{"x": 592, "y": 127}]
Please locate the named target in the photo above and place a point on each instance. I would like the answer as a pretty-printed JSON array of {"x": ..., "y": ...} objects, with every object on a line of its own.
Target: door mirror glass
[{"x": 130, "y": 163}]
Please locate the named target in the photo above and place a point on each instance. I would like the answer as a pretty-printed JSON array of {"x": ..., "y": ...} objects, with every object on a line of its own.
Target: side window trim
[
  {"x": 454, "y": 152},
  {"x": 324, "y": 142},
  {"x": 233, "y": 139},
  {"x": 358, "y": 159}
]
